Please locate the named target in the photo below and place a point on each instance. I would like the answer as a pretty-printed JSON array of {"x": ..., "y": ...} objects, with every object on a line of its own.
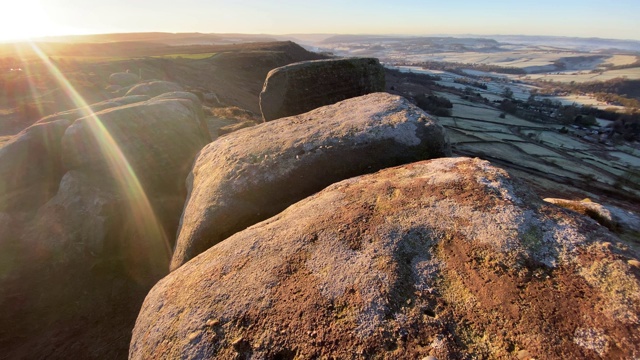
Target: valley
[{"x": 537, "y": 138}]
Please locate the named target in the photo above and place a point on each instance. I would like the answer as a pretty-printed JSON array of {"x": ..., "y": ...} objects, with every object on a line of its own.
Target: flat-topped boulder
[
  {"x": 450, "y": 258},
  {"x": 300, "y": 87},
  {"x": 123, "y": 78},
  {"x": 254, "y": 173},
  {"x": 158, "y": 139},
  {"x": 154, "y": 88}
]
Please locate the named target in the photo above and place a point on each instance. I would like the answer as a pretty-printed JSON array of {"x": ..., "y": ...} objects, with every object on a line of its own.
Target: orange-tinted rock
[
  {"x": 448, "y": 258},
  {"x": 254, "y": 173}
]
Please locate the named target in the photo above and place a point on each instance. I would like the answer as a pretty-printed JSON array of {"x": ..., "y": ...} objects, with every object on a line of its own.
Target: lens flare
[{"x": 154, "y": 241}]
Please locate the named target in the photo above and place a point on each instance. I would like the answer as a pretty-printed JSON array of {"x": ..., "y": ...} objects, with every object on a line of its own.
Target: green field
[
  {"x": 512, "y": 154},
  {"x": 88, "y": 59},
  {"x": 540, "y": 147},
  {"x": 503, "y": 136}
]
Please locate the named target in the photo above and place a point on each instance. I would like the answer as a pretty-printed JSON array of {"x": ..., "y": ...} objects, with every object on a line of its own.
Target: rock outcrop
[
  {"x": 125, "y": 165},
  {"x": 297, "y": 88},
  {"x": 226, "y": 120},
  {"x": 103, "y": 234},
  {"x": 154, "y": 88},
  {"x": 157, "y": 138},
  {"x": 123, "y": 79},
  {"x": 257, "y": 172},
  {"x": 31, "y": 166},
  {"x": 448, "y": 258},
  {"x": 31, "y": 163},
  {"x": 612, "y": 217}
]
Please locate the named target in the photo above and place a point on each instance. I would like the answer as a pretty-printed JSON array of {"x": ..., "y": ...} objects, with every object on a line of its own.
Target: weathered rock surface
[
  {"x": 257, "y": 172},
  {"x": 154, "y": 88},
  {"x": 158, "y": 138},
  {"x": 123, "y": 78},
  {"x": 448, "y": 258},
  {"x": 612, "y": 217},
  {"x": 301, "y": 87},
  {"x": 228, "y": 129},
  {"x": 225, "y": 120},
  {"x": 124, "y": 189},
  {"x": 30, "y": 166},
  {"x": 74, "y": 114},
  {"x": 79, "y": 267}
]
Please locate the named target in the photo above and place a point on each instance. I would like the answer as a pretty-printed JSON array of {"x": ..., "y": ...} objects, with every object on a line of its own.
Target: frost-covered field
[
  {"x": 497, "y": 83},
  {"x": 586, "y": 76},
  {"x": 540, "y": 148},
  {"x": 532, "y": 61}
]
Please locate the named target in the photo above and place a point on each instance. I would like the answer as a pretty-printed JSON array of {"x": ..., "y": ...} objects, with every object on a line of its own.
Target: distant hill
[
  {"x": 126, "y": 44},
  {"x": 577, "y": 43},
  {"x": 443, "y": 40},
  {"x": 162, "y": 37}
]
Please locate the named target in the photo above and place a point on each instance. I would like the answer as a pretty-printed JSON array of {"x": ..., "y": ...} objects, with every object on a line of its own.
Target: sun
[{"x": 24, "y": 19}]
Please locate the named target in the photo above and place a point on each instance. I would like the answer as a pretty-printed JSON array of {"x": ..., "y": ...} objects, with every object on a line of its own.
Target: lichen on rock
[{"x": 449, "y": 258}]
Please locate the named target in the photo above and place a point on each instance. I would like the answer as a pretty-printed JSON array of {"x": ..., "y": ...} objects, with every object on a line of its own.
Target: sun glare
[
  {"x": 25, "y": 19},
  {"x": 153, "y": 241}
]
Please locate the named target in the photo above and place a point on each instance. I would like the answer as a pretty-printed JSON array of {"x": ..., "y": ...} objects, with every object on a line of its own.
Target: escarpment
[
  {"x": 91, "y": 199},
  {"x": 300, "y": 87},
  {"x": 341, "y": 228}
]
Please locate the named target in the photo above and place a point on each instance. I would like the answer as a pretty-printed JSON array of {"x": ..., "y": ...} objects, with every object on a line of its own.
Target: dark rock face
[
  {"x": 304, "y": 86},
  {"x": 448, "y": 258},
  {"x": 255, "y": 173},
  {"x": 30, "y": 166},
  {"x": 146, "y": 134},
  {"x": 123, "y": 78},
  {"x": 74, "y": 114},
  {"x": 154, "y": 88},
  {"x": 86, "y": 254}
]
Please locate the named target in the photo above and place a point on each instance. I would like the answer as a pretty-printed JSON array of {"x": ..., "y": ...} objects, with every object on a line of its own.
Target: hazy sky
[{"x": 585, "y": 18}]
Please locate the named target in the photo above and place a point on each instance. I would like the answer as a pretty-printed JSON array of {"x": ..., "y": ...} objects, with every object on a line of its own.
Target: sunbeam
[{"x": 145, "y": 220}]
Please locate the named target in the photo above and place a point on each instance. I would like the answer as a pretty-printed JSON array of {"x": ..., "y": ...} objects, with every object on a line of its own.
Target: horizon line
[{"x": 453, "y": 35}]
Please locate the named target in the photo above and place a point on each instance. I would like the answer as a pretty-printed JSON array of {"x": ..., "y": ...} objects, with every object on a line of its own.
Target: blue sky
[{"x": 585, "y": 18}]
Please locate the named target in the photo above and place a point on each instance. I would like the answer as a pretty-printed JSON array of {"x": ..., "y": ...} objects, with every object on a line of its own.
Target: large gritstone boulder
[
  {"x": 80, "y": 265},
  {"x": 154, "y": 88},
  {"x": 304, "y": 86},
  {"x": 158, "y": 138},
  {"x": 254, "y": 173},
  {"x": 448, "y": 258},
  {"x": 123, "y": 78},
  {"x": 124, "y": 186},
  {"x": 30, "y": 166}
]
